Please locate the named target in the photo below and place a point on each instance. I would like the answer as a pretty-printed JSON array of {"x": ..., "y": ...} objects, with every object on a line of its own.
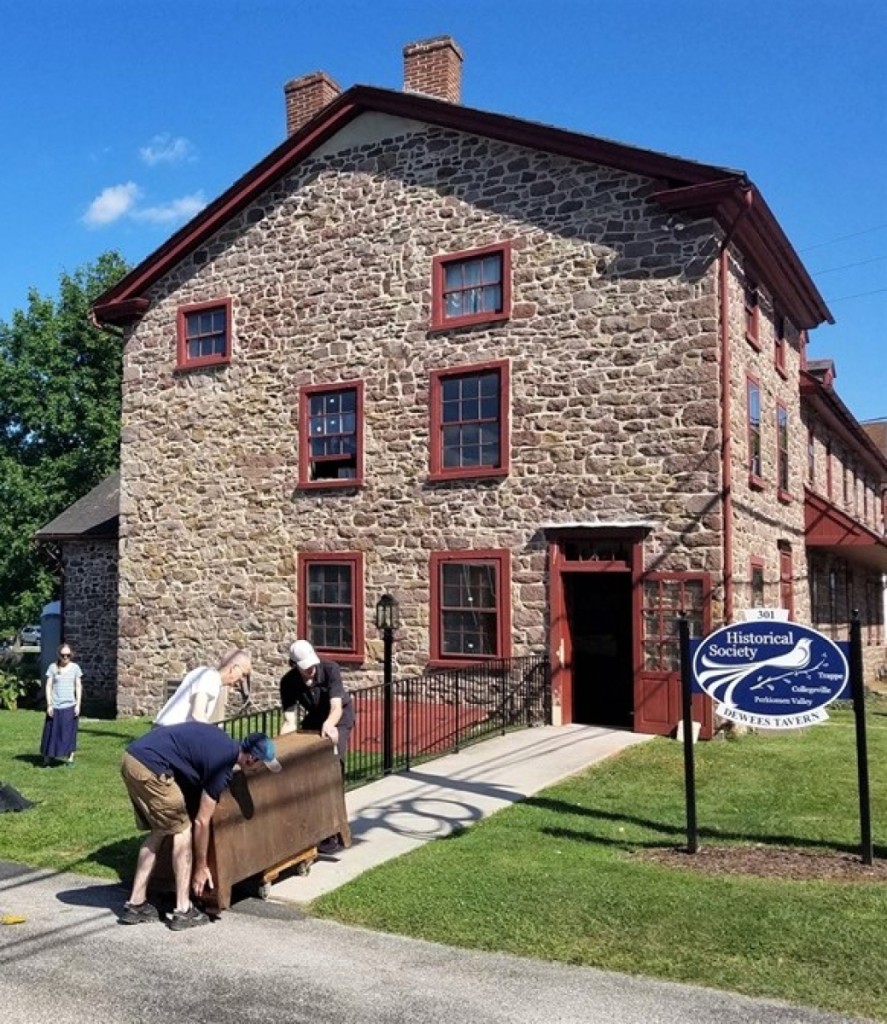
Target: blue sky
[{"x": 121, "y": 118}]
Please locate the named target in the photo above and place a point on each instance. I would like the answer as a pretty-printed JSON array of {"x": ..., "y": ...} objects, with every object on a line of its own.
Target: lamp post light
[{"x": 387, "y": 621}]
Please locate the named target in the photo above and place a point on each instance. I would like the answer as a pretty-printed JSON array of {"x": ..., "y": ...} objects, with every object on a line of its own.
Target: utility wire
[
  {"x": 846, "y": 266},
  {"x": 859, "y": 295},
  {"x": 843, "y": 238}
]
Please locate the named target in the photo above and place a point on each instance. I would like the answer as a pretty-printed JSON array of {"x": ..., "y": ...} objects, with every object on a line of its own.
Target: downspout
[{"x": 726, "y": 439}]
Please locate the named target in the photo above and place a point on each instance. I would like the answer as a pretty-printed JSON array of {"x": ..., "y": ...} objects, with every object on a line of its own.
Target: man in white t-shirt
[{"x": 202, "y": 694}]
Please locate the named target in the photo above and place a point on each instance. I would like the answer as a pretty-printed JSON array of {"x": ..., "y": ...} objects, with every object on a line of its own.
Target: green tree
[{"x": 59, "y": 424}]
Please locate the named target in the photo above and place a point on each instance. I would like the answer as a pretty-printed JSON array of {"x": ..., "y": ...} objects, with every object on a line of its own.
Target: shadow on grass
[
  {"x": 120, "y": 856},
  {"x": 34, "y": 759},
  {"x": 672, "y": 831}
]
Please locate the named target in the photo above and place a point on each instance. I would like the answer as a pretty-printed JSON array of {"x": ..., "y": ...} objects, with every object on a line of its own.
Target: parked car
[{"x": 29, "y": 637}]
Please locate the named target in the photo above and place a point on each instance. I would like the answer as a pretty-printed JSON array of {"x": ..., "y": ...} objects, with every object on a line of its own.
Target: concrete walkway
[{"x": 401, "y": 812}]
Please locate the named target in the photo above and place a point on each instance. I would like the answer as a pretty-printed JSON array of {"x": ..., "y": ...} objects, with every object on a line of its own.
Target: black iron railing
[{"x": 434, "y": 714}]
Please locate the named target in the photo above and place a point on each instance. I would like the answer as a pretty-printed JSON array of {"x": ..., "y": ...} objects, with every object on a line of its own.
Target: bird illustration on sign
[{"x": 717, "y": 676}]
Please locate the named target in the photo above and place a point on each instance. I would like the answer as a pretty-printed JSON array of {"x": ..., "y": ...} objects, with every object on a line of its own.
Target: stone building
[
  {"x": 85, "y": 537},
  {"x": 544, "y": 388}
]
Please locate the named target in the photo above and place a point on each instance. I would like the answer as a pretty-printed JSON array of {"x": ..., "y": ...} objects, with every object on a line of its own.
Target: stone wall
[{"x": 90, "y": 616}]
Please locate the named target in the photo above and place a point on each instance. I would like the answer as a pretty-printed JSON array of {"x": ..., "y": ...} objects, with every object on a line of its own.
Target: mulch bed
[{"x": 770, "y": 862}]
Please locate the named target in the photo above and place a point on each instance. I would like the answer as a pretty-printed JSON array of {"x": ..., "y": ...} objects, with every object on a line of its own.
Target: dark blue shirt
[{"x": 199, "y": 755}]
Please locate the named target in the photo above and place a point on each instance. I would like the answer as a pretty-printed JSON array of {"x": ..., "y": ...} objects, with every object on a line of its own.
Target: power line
[
  {"x": 843, "y": 238},
  {"x": 858, "y": 295},
  {"x": 846, "y": 266}
]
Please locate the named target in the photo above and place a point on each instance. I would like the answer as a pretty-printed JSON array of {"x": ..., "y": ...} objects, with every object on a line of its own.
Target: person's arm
[
  {"x": 78, "y": 694},
  {"x": 201, "y": 878},
  {"x": 48, "y": 692},
  {"x": 199, "y": 707},
  {"x": 332, "y": 719}
]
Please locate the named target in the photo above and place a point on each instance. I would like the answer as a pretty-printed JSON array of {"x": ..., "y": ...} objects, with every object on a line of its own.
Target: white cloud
[
  {"x": 176, "y": 210},
  {"x": 111, "y": 204},
  {"x": 164, "y": 149}
]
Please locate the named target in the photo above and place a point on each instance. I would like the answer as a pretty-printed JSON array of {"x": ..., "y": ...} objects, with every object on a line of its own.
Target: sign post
[
  {"x": 862, "y": 759},
  {"x": 687, "y": 705}
]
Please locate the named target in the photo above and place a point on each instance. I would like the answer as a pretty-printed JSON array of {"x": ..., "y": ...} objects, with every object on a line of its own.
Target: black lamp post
[{"x": 387, "y": 620}]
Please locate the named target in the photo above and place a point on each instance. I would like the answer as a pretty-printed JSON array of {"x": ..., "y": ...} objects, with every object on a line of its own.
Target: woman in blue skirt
[{"x": 63, "y": 694}]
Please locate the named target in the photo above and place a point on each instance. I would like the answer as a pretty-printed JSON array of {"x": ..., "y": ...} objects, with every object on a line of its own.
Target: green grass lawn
[{"x": 557, "y": 876}]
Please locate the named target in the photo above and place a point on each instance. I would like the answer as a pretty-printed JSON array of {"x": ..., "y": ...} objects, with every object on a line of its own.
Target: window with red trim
[
  {"x": 752, "y": 313},
  {"x": 753, "y": 406},
  {"x": 330, "y": 599},
  {"x": 470, "y": 606},
  {"x": 204, "y": 334},
  {"x": 472, "y": 287},
  {"x": 331, "y": 435},
  {"x": 829, "y": 471},
  {"x": 469, "y": 421},
  {"x": 811, "y": 456},
  {"x": 782, "y": 474},
  {"x": 756, "y": 575},
  {"x": 786, "y": 583},
  {"x": 779, "y": 343}
]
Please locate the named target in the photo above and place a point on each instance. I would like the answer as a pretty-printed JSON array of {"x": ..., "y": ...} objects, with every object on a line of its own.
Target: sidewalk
[{"x": 401, "y": 812}]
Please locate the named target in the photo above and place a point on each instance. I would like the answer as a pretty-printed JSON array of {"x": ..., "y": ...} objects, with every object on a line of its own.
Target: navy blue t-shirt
[{"x": 199, "y": 755}]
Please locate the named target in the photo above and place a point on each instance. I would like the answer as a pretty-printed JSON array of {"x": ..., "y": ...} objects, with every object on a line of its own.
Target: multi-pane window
[
  {"x": 752, "y": 312},
  {"x": 753, "y": 393},
  {"x": 782, "y": 475},
  {"x": 331, "y": 603},
  {"x": 204, "y": 334},
  {"x": 469, "y": 421},
  {"x": 471, "y": 287},
  {"x": 811, "y": 456},
  {"x": 470, "y": 605},
  {"x": 779, "y": 343},
  {"x": 331, "y": 435},
  {"x": 663, "y": 602},
  {"x": 757, "y": 583}
]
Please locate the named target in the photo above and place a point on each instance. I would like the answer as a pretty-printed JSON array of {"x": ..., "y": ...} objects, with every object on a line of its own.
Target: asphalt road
[{"x": 71, "y": 963}]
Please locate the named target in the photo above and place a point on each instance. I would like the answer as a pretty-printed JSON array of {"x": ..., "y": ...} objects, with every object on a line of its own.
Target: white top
[
  {"x": 178, "y": 708},
  {"x": 63, "y": 680}
]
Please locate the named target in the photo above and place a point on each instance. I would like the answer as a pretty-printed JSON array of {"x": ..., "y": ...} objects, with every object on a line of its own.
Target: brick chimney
[
  {"x": 307, "y": 96},
  {"x": 434, "y": 67}
]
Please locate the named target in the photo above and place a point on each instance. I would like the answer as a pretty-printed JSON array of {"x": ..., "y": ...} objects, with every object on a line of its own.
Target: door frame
[{"x": 630, "y": 539}]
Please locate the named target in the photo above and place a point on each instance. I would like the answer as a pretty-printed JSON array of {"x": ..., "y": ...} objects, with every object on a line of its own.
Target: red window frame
[
  {"x": 754, "y": 433},
  {"x": 439, "y": 291},
  {"x": 307, "y": 462},
  {"x": 438, "y": 424},
  {"x": 783, "y": 489},
  {"x": 500, "y": 562},
  {"x": 353, "y": 653},
  {"x": 786, "y": 583},
  {"x": 829, "y": 472},
  {"x": 183, "y": 339},
  {"x": 811, "y": 456},
  {"x": 779, "y": 344},
  {"x": 752, "y": 309},
  {"x": 757, "y": 583}
]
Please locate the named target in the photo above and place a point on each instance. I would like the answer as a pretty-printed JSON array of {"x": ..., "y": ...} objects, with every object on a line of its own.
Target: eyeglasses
[{"x": 65, "y": 654}]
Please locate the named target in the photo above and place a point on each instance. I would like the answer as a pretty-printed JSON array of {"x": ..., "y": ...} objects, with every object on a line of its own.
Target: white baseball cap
[{"x": 304, "y": 655}]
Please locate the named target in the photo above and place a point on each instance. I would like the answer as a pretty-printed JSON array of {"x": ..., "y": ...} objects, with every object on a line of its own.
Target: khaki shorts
[{"x": 158, "y": 802}]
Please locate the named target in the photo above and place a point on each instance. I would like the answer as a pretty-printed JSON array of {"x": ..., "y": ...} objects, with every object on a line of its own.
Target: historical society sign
[{"x": 770, "y": 675}]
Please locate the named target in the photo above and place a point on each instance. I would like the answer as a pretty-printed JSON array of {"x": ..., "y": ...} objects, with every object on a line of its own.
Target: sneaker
[
  {"x": 139, "y": 913},
  {"x": 329, "y": 845},
  {"x": 190, "y": 918}
]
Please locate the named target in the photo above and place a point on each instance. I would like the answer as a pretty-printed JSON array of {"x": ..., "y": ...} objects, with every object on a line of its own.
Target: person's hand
[
  {"x": 50, "y": 711},
  {"x": 77, "y": 711},
  {"x": 330, "y": 731},
  {"x": 201, "y": 881}
]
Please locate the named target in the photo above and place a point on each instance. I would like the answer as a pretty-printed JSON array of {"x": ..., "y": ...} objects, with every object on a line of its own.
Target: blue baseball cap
[{"x": 258, "y": 745}]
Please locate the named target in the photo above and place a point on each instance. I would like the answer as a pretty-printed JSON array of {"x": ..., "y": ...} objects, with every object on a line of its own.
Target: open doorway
[{"x": 599, "y": 618}]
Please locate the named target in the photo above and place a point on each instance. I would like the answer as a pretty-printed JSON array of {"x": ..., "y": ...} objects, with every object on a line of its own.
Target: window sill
[
  {"x": 339, "y": 657},
  {"x": 478, "y": 319},
  {"x": 781, "y": 370},
  {"x": 442, "y": 476},
  {"x": 456, "y": 663},
  {"x": 756, "y": 483},
  {"x": 355, "y": 483},
  {"x": 202, "y": 364},
  {"x": 753, "y": 341},
  {"x": 784, "y": 497}
]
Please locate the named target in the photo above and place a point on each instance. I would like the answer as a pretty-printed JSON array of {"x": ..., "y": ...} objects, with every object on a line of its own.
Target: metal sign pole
[
  {"x": 862, "y": 760},
  {"x": 689, "y": 765}
]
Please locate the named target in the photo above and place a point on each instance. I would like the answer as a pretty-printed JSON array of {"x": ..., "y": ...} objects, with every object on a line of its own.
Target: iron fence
[{"x": 430, "y": 715}]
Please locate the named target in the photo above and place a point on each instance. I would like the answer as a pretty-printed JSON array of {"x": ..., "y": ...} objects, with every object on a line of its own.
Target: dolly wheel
[
  {"x": 264, "y": 891},
  {"x": 303, "y": 868}
]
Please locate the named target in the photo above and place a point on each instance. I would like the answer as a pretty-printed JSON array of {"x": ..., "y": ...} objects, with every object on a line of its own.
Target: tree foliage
[{"x": 59, "y": 425}]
